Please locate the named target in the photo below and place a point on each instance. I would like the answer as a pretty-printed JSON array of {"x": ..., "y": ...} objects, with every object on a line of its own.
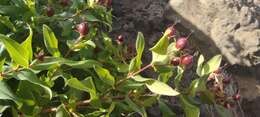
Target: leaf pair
[
  {"x": 20, "y": 53},
  {"x": 208, "y": 67}
]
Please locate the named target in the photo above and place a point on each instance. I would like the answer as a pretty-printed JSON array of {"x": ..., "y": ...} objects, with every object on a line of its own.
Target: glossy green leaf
[
  {"x": 165, "y": 109},
  {"x": 140, "y": 43},
  {"x": 135, "y": 107},
  {"x": 159, "y": 59},
  {"x": 200, "y": 65},
  {"x": 105, "y": 75},
  {"x": 189, "y": 109},
  {"x": 161, "y": 46},
  {"x": 28, "y": 75},
  {"x": 156, "y": 86},
  {"x": 6, "y": 21},
  {"x": 133, "y": 65},
  {"x": 161, "y": 88},
  {"x": 75, "y": 83},
  {"x": 62, "y": 111},
  {"x": 15, "y": 50},
  {"x": 50, "y": 41},
  {"x": 27, "y": 45},
  {"x": 212, "y": 65},
  {"x": 7, "y": 94}
]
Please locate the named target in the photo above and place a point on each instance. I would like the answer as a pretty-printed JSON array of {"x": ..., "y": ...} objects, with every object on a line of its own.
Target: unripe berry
[
  {"x": 170, "y": 31},
  {"x": 40, "y": 56},
  {"x": 181, "y": 43},
  {"x": 187, "y": 60},
  {"x": 120, "y": 40},
  {"x": 65, "y": 2},
  {"x": 175, "y": 61},
  {"x": 236, "y": 97},
  {"x": 49, "y": 11},
  {"x": 82, "y": 28}
]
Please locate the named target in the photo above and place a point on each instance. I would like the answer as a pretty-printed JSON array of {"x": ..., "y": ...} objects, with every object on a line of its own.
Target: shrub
[{"x": 57, "y": 59}]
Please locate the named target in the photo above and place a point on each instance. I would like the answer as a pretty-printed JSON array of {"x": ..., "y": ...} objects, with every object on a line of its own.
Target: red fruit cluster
[
  {"x": 217, "y": 83},
  {"x": 82, "y": 28}
]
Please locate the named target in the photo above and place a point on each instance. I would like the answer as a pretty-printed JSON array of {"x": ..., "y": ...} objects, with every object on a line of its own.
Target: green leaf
[
  {"x": 27, "y": 45},
  {"x": 52, "y": 62},
  {"x": 28, "y": 75},
  {"x": 223, "y": 112},
  {"x": 165, "y": 109},
  {"x": 161, "y": 46},
  {"x": 161, "y": 88},
  {"x": 139, "y": 49},
  {"x": 178, "y": 78},
  {"x": 31, "y": 5},
  {"x": 62, "y": 111},
  {"x": 75, "y": 83},
  {"x": 15, "y": 50},
  {"x": 111, "y": 108},
  {"x": 159, "y": 59},
  {"x": 105, "y": 75},
  {"x": 197, "y": 85},
  {"x": 6, "y": 21},
  {"x": 133, "y": 65},
  {"x": 189, "y": 109},
  {"x": 2, "y": 62},
  {"x": 200, "y": 65},
  {"x": 156, "y": 86},
  {"x": 7, "y": 94},
  {"x": 135, "y": 107},
  {"x": 10, "y": 10},
  {"x": 50, "y": 41},
  {"x": 212, "y": 65}
]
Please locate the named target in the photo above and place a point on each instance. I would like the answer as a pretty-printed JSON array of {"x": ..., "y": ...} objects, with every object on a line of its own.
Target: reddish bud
[
  {"x": 181, "y": 43},
  {"x": 65, "y": 2},
  {"x": 175, "y": 61},
  {"x": 40, "y": 56},
  {"x": 120, "y": 40},
  {"x": 170, "y": 31},
  {"x": 236, "y": 97},
  {"x": 50, "y": 11},
  {"x": 82, "y": 28},
  {"x": 218, "y": 71},
  {"x": 187, "y": 60}
]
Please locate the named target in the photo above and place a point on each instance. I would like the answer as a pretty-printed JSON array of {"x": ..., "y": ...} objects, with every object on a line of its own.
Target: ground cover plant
[{"x": 57, "y": 59}]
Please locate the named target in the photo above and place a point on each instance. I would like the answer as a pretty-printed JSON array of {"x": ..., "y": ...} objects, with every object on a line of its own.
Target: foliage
[{"x": 48, "y": 69}]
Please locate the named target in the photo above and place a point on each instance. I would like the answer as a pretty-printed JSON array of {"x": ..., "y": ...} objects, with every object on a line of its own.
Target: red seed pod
[
  {"x": 187, "y": 60},
  {"x": 170, "y": 31},
  {"x": 50, "y": 11},
  {"x": 120, "y": 39},
  {"x": 175, "y": 61},
  {"x": 181, "y": 43},
  {"x": 64, "y": 2},
  {"x": 82, "y": 28},
  {"x": 236, "y": 97}
]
